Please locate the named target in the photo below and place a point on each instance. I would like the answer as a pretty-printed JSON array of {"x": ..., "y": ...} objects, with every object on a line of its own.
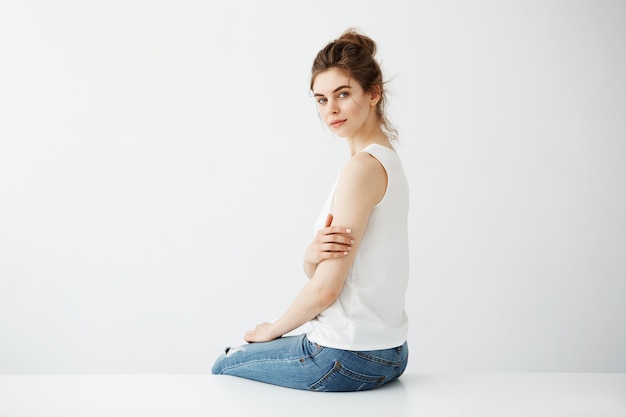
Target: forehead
[{"x": 327, "y": 81}]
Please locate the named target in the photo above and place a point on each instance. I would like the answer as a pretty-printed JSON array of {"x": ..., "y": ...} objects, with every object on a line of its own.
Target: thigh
[{"x": 286, "y": 361}]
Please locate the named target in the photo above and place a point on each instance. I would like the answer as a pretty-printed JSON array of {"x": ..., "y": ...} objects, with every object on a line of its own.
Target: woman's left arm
[{"x": 361, "y": 186}]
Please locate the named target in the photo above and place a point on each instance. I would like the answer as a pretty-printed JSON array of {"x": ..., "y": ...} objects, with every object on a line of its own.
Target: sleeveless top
[{"x": 369, "y": 313}]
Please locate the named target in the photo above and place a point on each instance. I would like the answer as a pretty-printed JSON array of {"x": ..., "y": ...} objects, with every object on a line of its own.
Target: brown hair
[{"x": 353, "y": 53}]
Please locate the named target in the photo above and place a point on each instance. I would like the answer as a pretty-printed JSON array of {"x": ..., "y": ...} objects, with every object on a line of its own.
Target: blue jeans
[{"x": 295, "y": 362}]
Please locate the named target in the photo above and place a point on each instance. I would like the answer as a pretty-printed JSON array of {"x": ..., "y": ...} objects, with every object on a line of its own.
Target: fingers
[
  {"x": 335, "y": 247},
  {"x": 252, "y": 335},
  {"x": 329, "y": 220},
  {"x": 334, "y": 254},
  {"x": 334, "y": 233},
  {"x": 261, "y": 333},
  {"x": 333, "y": 251},
  {"x": 334, "y": 238},
  {"x": 330, "y": 242},
  {"x": 335, "y": 230}
]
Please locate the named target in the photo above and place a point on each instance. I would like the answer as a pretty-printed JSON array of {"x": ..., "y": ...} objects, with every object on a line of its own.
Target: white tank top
[{"x": 369, "y": 313}]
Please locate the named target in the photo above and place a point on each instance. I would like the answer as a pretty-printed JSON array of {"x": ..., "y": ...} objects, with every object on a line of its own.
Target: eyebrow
[{"x": 334, "y": 91}]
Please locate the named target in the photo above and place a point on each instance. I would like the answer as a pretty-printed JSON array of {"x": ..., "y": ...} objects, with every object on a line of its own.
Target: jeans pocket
[{"x": 339, "y": 378}]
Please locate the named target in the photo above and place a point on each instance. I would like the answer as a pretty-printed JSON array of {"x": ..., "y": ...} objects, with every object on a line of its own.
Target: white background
[{"x": 162, "y": 164}]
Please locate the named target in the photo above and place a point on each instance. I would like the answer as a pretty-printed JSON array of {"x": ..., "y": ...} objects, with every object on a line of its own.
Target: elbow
[
  {"x": 327, "y": 296},
  {"x": 327, "y": 284}
]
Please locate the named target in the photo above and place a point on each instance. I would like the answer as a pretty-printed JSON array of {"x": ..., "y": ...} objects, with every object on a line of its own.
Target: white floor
[{"x": 428, "y": 395}]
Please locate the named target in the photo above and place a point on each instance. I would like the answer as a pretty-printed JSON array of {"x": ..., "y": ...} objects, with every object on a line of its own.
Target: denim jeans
[{"x": 295, "y": 362}]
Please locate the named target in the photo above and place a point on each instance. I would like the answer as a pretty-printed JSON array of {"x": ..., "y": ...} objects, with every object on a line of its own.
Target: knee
[
  {"x": 222, "y": 362},
  {"x": 220, "y": 365},
  {"x": 217, "y": 366}
]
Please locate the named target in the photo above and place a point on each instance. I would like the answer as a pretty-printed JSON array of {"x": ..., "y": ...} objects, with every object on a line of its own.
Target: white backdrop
[{"x": 161, "y": 166}]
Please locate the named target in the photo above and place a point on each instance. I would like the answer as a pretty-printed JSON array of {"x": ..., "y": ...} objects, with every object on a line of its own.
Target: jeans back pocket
[{"x": 340, "y": 378}]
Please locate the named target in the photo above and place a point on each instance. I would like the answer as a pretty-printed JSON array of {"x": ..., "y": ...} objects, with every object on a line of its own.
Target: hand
[
  {"x": 262, "y": 333},
  {"x": 329, "y": 242}
]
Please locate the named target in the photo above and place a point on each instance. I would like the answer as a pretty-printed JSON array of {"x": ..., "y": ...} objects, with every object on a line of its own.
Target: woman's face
[{"x": 342, "y": 102}]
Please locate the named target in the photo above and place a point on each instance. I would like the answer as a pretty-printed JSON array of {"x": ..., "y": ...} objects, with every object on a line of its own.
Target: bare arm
[
  {"x": 329, "y": 242},
  {"x": 362, "y": 184}
]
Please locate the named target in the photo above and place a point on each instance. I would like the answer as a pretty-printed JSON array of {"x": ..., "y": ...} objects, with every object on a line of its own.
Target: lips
[{"x": 337, "y": 123}]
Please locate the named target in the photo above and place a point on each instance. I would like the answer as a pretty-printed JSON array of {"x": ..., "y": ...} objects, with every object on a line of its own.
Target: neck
[{"x": 365, "y": 138}]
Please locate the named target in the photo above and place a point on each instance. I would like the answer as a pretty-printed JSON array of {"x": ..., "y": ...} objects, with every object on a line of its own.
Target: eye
[
  {"x": 322, "y": 100},
  {"x": 344, "y": 94}
]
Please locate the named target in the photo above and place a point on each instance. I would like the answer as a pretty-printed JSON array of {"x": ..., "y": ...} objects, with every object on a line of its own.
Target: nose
[{"x": 332, "y": 107}]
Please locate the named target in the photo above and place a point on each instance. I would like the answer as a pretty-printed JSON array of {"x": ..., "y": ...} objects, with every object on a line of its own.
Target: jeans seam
[
  {"x": 313, "y": 354},
  {"x": 325, "y": 378},
  {"x": 361, "y": 377},
  {"x": 252, "y": 362},
  {"x": 377, "y": 360}
]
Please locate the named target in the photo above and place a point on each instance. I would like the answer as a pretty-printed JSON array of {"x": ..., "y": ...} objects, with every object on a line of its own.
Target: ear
[{"x": 375, "y": 95}]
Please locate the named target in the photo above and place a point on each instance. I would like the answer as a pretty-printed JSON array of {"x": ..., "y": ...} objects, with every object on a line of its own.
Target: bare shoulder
[
  {"x": 365, "y": 167},
  {"x": 364, "y": 175},
  {"x": 364, "y": 164}
]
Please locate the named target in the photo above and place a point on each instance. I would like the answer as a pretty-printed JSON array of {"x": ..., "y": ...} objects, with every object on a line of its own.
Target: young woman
[{"x": 358, "y": 272}]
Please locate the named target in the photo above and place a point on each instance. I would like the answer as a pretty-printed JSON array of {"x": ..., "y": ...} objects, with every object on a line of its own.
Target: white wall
[{"x": 161, "y": 165}]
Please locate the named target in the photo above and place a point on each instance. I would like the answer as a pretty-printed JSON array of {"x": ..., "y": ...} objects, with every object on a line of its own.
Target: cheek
[{"x": 362, "y": 109}]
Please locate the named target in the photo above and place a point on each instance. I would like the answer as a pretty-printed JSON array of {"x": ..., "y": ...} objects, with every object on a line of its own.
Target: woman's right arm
[{"x": 331, "y": 242}]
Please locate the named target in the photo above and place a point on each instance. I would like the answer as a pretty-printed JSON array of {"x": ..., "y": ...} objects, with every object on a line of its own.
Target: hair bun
[{"x": 353, "y": 36}]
